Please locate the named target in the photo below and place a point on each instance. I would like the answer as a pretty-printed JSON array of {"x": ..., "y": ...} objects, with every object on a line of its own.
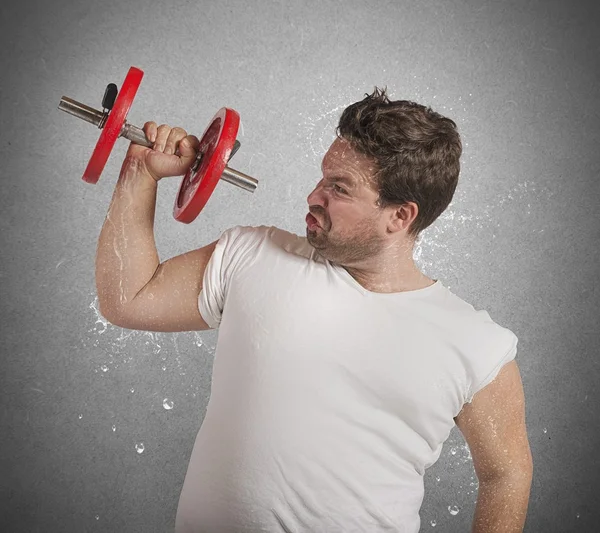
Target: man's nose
[{"x": 315, "y": 197}]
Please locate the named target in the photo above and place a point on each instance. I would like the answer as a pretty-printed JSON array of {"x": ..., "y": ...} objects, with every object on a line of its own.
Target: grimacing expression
[{"x": 351, "y": 227}]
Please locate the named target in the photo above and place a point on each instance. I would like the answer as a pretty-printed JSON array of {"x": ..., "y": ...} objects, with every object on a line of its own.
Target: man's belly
[{"x": 254, "y": 483}]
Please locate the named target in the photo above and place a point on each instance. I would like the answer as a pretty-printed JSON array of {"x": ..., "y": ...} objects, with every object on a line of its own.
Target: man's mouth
[{"x": 312, "y": 222}]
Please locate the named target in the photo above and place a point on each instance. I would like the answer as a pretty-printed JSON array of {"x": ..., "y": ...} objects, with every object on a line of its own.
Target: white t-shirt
[{"x": 328, "y": 401}]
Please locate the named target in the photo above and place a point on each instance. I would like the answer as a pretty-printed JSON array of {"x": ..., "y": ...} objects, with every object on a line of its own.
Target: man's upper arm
[
  {"x": 169, "y": 301},
  {"x": 493, "y": 426}
]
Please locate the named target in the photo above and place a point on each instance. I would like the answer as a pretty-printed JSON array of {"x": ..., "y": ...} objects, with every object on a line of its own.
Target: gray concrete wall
[{"x": 520, "y": 238}]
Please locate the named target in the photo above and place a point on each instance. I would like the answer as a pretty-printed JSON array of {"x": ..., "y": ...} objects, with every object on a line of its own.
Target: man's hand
[{"x": 173, "y": 153}]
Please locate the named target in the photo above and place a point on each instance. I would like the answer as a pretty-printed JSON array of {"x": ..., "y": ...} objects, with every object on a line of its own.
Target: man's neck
[{"x": 387, "y": 279}]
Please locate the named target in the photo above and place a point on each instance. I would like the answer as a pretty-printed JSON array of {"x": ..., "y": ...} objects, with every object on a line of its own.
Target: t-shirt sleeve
[
  {"x": 236, "y": 246},
  {"x": 497, "y": 346}
]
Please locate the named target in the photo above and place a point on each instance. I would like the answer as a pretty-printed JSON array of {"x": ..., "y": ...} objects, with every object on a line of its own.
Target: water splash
[
  {"x": 118, "y": 343},
  {"x": 154, "y": 337},
  {"x": 320, "y": 126},
  {"x": 462, "y": 453},
  {"x": 434, "y": 250},
  {"x": 198, "y": 339},
  {"x": 99, "y": 318}
]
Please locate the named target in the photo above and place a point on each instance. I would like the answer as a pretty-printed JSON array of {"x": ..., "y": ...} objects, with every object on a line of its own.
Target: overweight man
[{"x": 340, "y": 368}]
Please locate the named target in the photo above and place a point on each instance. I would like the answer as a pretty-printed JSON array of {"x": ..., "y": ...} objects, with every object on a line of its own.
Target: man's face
[{"x": 350, "y": 227}]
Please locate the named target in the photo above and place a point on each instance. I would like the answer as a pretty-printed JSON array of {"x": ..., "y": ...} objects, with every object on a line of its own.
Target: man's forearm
[
  {"x": 502, "y": 505},
  {"x": 126, "y": 257}
]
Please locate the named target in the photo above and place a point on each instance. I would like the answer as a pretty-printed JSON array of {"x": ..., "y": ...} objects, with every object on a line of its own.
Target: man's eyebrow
[
  {"x": 343, "y": 179},
  {"x": 348, "y": 181}
]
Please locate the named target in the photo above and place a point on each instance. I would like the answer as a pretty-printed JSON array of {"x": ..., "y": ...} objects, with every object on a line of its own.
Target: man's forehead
[
  {"x": 340, "y": 149},
  {"x": 342, "y": 155}
]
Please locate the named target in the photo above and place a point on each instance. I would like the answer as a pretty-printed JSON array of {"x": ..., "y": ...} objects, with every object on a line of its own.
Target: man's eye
[{"x": 339, "y": 189}]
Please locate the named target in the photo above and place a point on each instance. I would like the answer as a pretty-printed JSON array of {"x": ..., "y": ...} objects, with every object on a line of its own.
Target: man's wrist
[{"x": 134, "y": 171}]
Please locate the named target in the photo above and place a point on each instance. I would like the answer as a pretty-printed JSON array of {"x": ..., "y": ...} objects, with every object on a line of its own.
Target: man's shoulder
[
  {"x": 279, "y": 238},
  {"x": 477, "y": 324},
  {"x": 261, "y": 230},
  {"x": 466, "y": 315}
]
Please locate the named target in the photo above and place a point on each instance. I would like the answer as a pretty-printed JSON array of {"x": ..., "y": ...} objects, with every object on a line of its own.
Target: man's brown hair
[{"x": 416, "y": 151}]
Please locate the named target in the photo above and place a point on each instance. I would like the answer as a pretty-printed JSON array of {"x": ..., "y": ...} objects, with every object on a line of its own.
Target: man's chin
[{"x": 313, "y": 238}]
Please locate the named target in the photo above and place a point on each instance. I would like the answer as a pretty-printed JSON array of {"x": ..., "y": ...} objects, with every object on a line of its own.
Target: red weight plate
[
  {"x": 216, "y": 144},
  {"x": 114, "y": 124}
]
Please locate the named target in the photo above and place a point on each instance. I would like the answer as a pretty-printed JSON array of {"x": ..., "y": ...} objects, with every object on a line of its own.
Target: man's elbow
[
  {"x": 521, "y": 475},
  {"x": 524, "y": 471},
  {"x": 111, "y": 313}
]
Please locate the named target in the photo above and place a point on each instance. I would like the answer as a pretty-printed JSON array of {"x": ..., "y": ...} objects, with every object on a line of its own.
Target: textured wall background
[{"x": 98, "y": 422}]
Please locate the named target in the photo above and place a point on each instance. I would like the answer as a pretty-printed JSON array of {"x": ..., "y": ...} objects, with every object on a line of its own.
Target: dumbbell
[{"x": 218, "y": 144}]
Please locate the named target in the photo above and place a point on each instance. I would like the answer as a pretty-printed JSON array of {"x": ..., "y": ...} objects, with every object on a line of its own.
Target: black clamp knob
[{"x": 110, "y": 95}]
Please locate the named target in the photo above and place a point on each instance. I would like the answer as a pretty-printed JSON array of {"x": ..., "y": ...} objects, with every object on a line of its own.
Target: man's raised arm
[{"x": 134, "y": 289}]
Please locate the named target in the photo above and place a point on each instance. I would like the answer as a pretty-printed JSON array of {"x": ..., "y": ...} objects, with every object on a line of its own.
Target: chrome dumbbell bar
[{"x": 137, "y": 136}]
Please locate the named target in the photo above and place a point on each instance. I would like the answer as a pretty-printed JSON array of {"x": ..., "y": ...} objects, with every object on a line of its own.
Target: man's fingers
[
  {"x": 150, "y": 131},
  {"x": 162, "y": 136},
  {"x": 175, "y": 136},
  {"x": 173, "y": 151},
  {"x": 168, "y": 140},
  {"x": 189, "y": 146}
]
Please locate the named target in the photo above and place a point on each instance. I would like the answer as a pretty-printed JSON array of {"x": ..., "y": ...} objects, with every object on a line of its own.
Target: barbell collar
[
  {"x": 241, "y": 180},
  {"x": 82, "y": 111}
]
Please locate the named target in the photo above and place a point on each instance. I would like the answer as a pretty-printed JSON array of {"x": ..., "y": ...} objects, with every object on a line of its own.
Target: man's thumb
[{"x": 189, "y": 146}]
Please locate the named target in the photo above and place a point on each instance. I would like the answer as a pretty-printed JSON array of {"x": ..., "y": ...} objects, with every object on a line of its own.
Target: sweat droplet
[
  {"x": 80, "y": 417},
  {"x": 198, "y": 339},
  {"x": 104, "y": 368},
  {"x": 433, "y": 523},
  {"x": 168, "y": 404},
  {"x": 114, "y": 428},
  {"x": 453, "y": 510},
  {"x": 140, "y": 447}
]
